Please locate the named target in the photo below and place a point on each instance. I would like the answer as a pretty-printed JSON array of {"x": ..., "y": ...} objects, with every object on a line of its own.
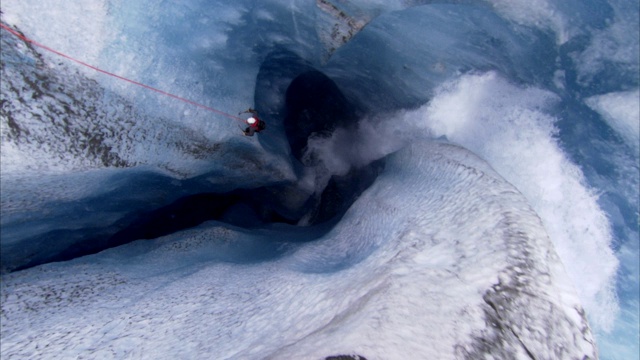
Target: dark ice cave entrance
[
  {"x": 310, "y": 104},
  {"x": 314, "y": 104}
]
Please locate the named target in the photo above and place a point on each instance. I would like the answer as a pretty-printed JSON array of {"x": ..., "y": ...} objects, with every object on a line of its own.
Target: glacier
[{"x": 439, "y": 179}]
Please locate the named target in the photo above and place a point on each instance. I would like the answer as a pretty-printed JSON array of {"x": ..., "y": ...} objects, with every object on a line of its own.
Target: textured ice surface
[
  {"x": 392, "y": 280},
  {"x": 497, "y": 116},
  {"x": 538, "y": 89}
]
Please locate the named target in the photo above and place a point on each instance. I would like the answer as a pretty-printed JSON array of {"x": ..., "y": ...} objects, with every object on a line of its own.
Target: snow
[
  {"x": 621, "y": 110},
  {"x": 540, "y": 13},
  {"x": 496, "y": 117},
  {"x": 424, "y": 261}
]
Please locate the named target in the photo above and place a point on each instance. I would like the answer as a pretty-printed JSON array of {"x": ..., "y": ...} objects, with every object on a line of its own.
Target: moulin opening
[{"x": 309, "y": 104}]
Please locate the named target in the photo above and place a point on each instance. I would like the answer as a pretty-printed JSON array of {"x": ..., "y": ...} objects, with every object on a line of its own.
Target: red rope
[{"x": 26, "y": 39}]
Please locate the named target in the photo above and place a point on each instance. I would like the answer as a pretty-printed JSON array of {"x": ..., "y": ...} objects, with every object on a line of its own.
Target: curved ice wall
[{"x": 546, "y": 93}]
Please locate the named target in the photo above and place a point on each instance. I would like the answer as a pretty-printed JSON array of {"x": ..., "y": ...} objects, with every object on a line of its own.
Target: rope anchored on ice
[{"x": 35, "y": 43}]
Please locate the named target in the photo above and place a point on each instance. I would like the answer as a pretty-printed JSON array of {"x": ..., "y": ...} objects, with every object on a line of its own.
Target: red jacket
[{"x": 256, "y": 125}]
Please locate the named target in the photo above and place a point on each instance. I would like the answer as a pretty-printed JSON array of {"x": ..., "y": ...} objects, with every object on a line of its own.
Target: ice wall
[{"x": 476, "y": 75}]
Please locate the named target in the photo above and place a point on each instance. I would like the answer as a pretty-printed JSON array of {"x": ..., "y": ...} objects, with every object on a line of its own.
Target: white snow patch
[
  {"x": 621, "y": 110},
  {"x": 538, "y": 13},
  {"x": 508, "y": 127}
]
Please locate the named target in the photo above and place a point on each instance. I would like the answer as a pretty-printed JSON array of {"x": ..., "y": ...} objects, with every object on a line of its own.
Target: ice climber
[{"x": 255, "y": 125}]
